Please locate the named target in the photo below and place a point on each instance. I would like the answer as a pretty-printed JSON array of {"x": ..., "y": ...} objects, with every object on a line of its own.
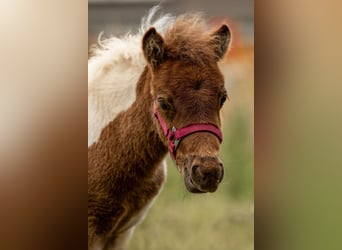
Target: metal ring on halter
[{"x": 175, "y": 142}]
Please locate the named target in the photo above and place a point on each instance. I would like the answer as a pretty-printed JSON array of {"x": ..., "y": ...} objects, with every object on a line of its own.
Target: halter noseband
[{"x": 174, "y": 136}]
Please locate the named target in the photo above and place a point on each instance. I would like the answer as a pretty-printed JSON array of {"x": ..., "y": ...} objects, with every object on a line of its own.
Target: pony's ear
[
  {"x": 221, "y": 41},
  {"x": 153, "y": 47}
]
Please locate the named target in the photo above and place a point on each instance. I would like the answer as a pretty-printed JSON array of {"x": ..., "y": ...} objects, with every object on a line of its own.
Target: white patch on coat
[{"x": 113, "y": 73}]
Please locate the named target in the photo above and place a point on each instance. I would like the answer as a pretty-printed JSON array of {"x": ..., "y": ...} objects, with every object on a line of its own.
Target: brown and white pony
[{"x": 158, "y": 91}]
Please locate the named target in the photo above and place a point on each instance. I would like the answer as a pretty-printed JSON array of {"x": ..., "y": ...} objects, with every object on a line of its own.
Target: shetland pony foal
[{"x": 178, "y": 97}]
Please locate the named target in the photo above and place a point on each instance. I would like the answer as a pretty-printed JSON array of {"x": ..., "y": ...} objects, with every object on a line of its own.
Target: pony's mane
[
  {"x": 114, "y": 68},
  {"x": 117, "y": 62},
  {"x": 127, "y": 49}
]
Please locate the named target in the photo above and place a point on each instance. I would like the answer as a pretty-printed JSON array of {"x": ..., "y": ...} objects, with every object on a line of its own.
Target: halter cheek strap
[{"x": 174, "y": 136}]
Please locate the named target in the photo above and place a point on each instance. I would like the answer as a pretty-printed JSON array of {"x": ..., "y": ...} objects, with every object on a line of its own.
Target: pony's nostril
[{"x": 194, "y": 168}]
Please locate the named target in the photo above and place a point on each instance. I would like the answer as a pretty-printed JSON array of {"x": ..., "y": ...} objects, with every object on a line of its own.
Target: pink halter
[{"x": 174, "y": 136}]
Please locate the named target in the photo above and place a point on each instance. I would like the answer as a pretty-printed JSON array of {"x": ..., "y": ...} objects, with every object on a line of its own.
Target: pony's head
[{"x": 188, "y": 92}]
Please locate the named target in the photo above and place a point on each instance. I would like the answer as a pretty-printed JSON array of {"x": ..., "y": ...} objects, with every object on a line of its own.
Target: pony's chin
[{"x": 190, "y": 186}]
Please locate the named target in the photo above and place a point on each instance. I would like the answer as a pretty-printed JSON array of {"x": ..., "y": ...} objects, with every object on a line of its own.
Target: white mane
[{"x": 113, "y": 72}]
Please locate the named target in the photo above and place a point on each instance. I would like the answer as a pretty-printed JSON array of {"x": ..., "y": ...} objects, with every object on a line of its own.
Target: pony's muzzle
[{"x": 205, "y": 173}]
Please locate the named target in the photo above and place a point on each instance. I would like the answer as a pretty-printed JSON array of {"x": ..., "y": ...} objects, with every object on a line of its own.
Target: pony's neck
[
  {"x": 149, "y": 148},
  {"x": 132, "y": 137}
]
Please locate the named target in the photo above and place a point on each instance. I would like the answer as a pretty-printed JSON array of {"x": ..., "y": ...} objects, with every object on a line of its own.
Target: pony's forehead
[{"x": 188, "y": 73}]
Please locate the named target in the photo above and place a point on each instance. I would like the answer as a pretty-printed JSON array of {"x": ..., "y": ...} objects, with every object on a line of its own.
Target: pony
[{"x": 149, "y": 93}]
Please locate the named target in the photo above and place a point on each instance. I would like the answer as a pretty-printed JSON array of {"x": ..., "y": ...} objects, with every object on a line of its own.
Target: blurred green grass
[{"x": 216, "y": 221}]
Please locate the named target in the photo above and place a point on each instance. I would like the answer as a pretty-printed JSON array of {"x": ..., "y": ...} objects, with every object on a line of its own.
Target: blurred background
[{"x": 224, "y": 219}]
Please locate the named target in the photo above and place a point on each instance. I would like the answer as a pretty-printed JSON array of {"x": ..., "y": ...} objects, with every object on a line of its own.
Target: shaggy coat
[{"x": 171, "y": 68}]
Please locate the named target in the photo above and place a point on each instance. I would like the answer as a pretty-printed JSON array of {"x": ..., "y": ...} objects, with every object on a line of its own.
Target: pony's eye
[
  {"x": 163, "y": 104},
  {"x": 223, "y": 99}
]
